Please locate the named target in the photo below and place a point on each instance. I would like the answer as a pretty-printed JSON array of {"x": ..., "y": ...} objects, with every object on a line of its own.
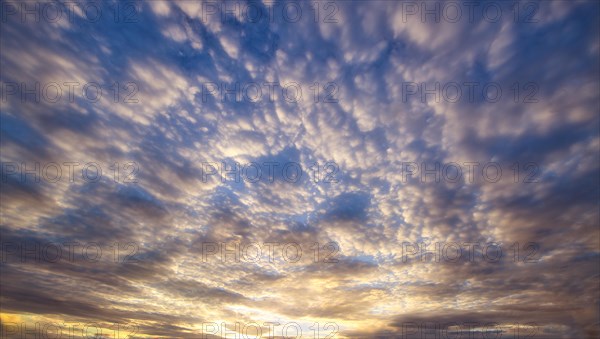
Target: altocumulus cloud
[{"x": 417, "y": 127}]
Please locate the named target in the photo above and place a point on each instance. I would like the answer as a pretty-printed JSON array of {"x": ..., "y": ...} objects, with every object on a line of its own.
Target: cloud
[{"x": 368, "y": 74}]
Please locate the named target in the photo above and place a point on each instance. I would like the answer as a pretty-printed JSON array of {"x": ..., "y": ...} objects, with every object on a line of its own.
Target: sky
[{"x": 328, "y": 169}]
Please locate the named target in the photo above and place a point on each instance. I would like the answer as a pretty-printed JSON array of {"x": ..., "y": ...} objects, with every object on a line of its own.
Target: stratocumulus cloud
[{"x": 341, "y": 169}]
